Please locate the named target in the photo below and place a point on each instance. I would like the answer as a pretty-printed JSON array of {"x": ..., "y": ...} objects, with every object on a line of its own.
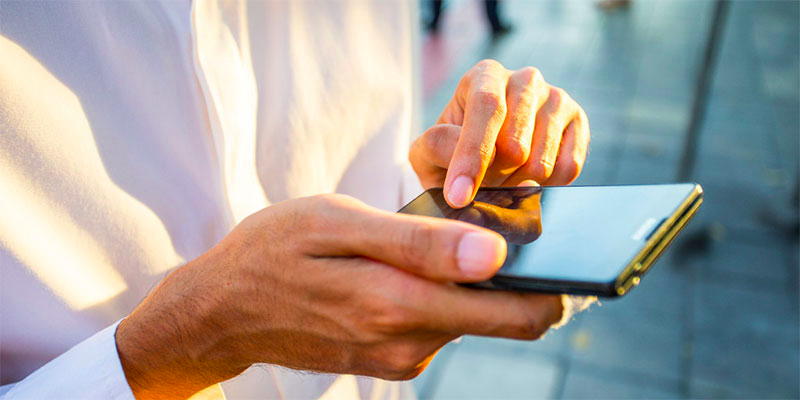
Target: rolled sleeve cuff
[{"x": 90, "y": 370}]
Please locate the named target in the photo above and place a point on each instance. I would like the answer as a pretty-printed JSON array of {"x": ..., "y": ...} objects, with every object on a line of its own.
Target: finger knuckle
[
  {"x": 392, "y": 320},
  {"x": 480, "y": 69},
  {"x": 385, "y": 316},
  {"x": 572, "y": 168},
  {"x": 332, "y": 201},
  {"x": 436, "y": 136},
  {"x": 540, "y": 170},
  {"x": 401, "y": 361},
  {"x": 488, "y": 64},
  {"x": 536, "y": 318},
  {"x": 532, "y": 326},
  {"x": 313, "y": 218},
  {"x": 491, "y": 100},
  {"x": 323, "y": 208},
  {"x": 556, "y": 94},
  {"x": 535, "y": 330},
  {"x": 415, "y": 244},
  {"x": 530, "y": 76},
  {"x": 513, "y": 152},
  {"x": 560, "y": 96}
]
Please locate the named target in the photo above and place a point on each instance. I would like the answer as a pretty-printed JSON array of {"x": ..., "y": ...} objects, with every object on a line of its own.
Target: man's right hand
[{"x": 325, "y": 284}]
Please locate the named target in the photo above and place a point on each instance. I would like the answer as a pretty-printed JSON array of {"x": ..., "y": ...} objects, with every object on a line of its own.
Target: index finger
[{"x": 484, "y": 103}]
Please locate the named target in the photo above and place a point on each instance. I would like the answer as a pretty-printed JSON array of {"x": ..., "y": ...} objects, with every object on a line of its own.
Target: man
[{"x": 137, "y": 137}]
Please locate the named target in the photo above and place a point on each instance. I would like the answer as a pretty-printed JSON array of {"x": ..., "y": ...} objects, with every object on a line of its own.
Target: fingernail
[
  {"x": 460, "y": 191},
  {"x": 528, "y": 183},
  {"x": 479, "y": 253}
]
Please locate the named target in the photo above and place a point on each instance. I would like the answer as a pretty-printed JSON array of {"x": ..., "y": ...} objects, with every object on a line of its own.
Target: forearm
[{"x": 171, "y": 346}]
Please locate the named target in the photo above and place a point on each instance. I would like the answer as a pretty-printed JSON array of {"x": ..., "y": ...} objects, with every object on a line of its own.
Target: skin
[
  {"x": 519, "y": 225},
  {"x": 502, "y": 128},
  {"x": 307, "y": 284}
]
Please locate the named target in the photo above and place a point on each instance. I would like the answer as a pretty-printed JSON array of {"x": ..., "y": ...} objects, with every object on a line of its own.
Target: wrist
[{"x": 174, "y": 344}]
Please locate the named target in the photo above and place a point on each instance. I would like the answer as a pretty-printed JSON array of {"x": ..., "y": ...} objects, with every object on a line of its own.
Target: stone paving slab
[
  {"x": 471, "y": 375},
  {"x": 589, "y": 383},
  {"x": 748, "y": 261},
  {"x": 630, "y": 345},
  {"x": 659, "y": 298}
]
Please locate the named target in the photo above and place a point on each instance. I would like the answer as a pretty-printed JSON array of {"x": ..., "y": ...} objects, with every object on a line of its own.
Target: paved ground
[{"x": 718, "y": 315}]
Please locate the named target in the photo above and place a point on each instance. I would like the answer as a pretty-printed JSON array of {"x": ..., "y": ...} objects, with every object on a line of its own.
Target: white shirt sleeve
[{"x": 90, "y": 370}]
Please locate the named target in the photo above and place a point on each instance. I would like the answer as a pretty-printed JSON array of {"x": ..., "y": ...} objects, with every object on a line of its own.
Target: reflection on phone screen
[{"x": 516, "y": 213}]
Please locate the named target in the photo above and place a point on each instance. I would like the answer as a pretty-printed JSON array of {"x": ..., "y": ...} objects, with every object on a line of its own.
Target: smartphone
[{"x": 585, "y": 240}]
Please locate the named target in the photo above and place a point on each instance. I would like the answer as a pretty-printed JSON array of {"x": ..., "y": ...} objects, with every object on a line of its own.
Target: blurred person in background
[
  {"x": 498, "y": 26},
  {"x": 136, "y": 137}
]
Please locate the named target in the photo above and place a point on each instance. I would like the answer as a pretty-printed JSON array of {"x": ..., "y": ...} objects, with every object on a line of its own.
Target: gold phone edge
[{"x": 660, "y": 240}]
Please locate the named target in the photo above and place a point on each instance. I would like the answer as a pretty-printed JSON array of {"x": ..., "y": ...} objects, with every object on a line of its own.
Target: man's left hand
[{"x": 502, "y": 128}]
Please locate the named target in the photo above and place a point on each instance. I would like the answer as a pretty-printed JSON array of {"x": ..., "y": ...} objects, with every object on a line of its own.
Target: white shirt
[{"x": 135, "y": 135}]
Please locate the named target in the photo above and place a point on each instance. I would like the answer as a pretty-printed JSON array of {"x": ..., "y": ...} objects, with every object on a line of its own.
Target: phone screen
[{"x": 572, "y": 233}]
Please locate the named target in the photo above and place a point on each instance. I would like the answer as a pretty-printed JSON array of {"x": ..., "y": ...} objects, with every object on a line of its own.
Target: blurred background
[{"x": 704, "y": 91}]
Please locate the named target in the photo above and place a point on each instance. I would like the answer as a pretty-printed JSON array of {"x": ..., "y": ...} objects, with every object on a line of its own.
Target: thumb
[{"x": 435, "y": 248}]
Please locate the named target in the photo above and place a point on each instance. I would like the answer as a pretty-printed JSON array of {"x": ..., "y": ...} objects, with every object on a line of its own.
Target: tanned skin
[{"x": 329, "y": 284}]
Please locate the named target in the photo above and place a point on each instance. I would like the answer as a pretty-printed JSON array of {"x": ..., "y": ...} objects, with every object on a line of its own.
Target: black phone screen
[{"x": 571, "y": 233}]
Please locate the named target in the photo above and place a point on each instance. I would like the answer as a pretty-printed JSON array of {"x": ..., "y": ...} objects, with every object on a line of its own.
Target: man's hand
[
  {"x": 325, "y": 284},
  {"x": 501, "y": 128}
]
